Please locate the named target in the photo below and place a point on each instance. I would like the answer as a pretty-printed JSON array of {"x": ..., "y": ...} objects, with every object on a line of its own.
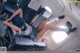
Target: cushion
[
  {"x": 10, "y": 8},
  {"x": 12, "y": 1},
  {"x": 24, "y": 3}
]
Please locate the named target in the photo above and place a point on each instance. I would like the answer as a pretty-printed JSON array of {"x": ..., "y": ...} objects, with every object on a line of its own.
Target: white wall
[{"x": 54, "y": 5}]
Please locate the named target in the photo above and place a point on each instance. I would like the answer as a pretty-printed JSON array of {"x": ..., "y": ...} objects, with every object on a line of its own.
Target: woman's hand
[
  {"x": 8, "y": 19},
  {"x": 19, "y": 32},
  {"x": 17, "y": 29}
]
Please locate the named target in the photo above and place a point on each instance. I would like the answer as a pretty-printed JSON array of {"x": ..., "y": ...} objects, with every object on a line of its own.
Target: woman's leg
[
  {"x": 41, "y": 26},
  {"x": 40, "y": 35}
]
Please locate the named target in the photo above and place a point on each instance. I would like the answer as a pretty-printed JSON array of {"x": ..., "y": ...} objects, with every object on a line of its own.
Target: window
[{"x": 59, "y": 36}]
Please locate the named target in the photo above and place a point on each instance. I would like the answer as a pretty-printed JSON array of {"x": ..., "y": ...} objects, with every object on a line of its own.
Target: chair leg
[{"x": 0, "y": 42}]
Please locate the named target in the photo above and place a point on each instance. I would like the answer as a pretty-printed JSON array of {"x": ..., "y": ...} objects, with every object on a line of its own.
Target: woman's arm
[
  {"x": 18, "y": 12},
  {"x": 11, "y": 26}
]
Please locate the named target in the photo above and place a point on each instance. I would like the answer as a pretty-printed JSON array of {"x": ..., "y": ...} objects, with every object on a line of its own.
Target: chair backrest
[
  {"x": 24, "y": 3},
  {"x": 40, "y": 19},
  {"x": 41, "y": 10},
  {"x": 29, "y": 14},
  {"x": 12, "y": 1}
]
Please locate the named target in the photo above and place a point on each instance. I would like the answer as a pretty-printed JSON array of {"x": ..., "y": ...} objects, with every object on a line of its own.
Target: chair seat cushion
[
  {"x": 12, "y": 1},
  {"x": 25, "y": 40},
  {"x": 11, "y": 8},
  {"x": 22, "y": 40}
]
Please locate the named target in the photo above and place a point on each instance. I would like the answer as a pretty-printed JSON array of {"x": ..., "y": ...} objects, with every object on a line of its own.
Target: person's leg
[
  {"x": 41, "y": 26},
  {"x": 41, "y": 34}
]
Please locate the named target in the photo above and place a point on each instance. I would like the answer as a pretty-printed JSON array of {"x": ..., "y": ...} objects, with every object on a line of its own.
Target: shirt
[{"x": 26, "y": 32}]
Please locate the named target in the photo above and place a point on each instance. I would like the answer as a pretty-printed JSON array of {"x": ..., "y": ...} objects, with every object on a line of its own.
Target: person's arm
[
  {"x": 18, "y": 12},
  {"x": 41, "y": 34},
  {"x": 11, "y": 26}
]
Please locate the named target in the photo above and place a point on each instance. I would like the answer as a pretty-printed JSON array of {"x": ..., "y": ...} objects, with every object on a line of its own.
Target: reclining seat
[{"x": 12, "y": 5}]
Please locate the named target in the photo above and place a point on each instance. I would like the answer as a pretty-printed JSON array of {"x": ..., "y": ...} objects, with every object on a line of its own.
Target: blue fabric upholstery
[
  {"x": 25, "y": 42},
  {"x": 18, "y": 38},
  {"x": 12, "y": 1},
  {"x": 9, "y": 8},
  {"x": 28, "y": 14}
]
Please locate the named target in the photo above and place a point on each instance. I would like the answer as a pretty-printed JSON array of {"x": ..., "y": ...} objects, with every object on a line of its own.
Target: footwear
[{"x": 72, "y": 30}]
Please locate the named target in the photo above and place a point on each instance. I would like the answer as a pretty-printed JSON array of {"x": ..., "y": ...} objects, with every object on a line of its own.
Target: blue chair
[
  {"x": 22, "y": 42},
  {"x": 11, "y": 6}
]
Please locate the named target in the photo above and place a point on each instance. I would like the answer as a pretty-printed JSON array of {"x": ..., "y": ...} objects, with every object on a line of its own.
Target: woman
[{"x": 18, "y": 24}]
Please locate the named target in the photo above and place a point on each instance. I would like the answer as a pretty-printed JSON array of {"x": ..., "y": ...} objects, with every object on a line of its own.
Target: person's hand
[
  {"x": 19, "y": 32},
  {"x": 17, "y": 29},
  {"x": 9, "y": 19}
]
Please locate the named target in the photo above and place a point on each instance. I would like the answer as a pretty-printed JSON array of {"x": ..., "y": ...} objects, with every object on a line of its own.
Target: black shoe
[{"x": 72, "y": 30}]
